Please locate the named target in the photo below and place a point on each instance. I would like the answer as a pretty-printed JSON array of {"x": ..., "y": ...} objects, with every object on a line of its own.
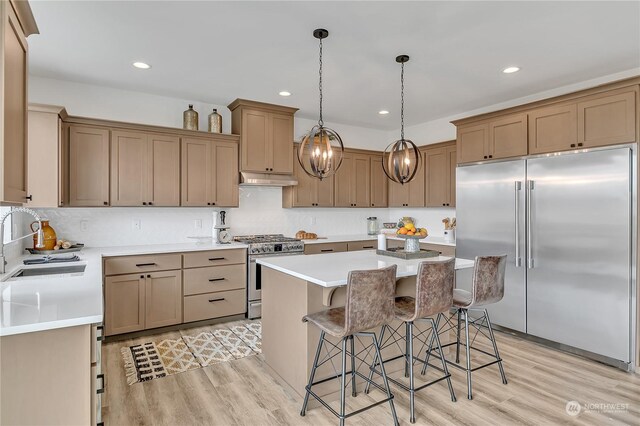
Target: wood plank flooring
[{"x": 243, "y": 392}]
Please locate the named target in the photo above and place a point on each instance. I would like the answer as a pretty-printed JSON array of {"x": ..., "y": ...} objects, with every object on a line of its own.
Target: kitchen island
[{"x": 293, "y": 286}]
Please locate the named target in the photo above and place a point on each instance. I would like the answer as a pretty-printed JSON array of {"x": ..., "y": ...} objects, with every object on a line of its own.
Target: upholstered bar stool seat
[
  {"x": 462, "y": 298},
  {"x": 369, "y": 304}
]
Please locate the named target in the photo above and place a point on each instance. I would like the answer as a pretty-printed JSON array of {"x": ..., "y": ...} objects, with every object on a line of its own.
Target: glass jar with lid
[{"x": 372, "y": 226}]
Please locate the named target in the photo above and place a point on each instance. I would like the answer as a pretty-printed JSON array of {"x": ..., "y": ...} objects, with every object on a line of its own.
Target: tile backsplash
[{"x": 260, "y": 212}]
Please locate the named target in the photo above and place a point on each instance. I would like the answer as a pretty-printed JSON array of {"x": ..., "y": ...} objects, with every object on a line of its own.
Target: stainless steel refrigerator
[{"x": 565, "y": 223}]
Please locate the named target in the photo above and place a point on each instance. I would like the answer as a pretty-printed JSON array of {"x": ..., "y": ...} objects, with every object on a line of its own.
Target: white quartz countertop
[
  {"x": 48, "y": 302},
  {"x": 365, "y": 237},
  {"x": 332, "y": 269}
]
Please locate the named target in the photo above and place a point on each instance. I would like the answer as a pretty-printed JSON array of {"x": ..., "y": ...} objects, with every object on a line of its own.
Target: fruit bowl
[{"x": 411, "y": 237}]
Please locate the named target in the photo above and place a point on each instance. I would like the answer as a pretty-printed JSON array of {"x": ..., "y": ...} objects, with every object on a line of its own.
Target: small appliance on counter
[
  {"x": 221, "y": 234},
  {"x": 372, "y": 226}
]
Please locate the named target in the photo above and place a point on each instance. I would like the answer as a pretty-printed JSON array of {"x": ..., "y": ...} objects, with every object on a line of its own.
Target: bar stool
[
  {"x": 434, "y": 295},
  {"x": 487, "y": 288},
  {"x": 369, "y": 304}
]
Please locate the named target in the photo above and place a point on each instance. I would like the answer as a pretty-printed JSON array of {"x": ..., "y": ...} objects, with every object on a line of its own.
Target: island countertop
[{"x": 332, "y": 269}]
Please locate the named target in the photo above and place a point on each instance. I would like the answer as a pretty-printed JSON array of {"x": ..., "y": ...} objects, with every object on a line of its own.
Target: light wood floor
[{"x": 243, "y": 392}]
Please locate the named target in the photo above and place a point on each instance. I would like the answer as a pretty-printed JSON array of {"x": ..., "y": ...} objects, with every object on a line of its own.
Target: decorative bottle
[
  {"x": 190, "y": 119},
  {"x": 215, "y": 122}
]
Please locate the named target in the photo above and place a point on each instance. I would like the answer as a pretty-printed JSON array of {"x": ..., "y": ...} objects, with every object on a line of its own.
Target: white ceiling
[{"x": 215, "y": 52}]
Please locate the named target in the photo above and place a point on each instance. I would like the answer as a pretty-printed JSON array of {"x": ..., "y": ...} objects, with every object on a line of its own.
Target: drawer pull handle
[
  {"x": 101, "y": 388},
  {"x": 367, "y": 247},
  {"x": 216, "y": 279},
  {"x": 140, "y": 265},
  {"x": 325, "y": 250},
  {"x": 216, "y": 300},
  {"x": 211, "y": 259}
]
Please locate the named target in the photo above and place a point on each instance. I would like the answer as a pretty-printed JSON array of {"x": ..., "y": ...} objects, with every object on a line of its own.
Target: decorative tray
[
  {"x": 74, "y": 247},
  {"x": 400, "y": 253}
]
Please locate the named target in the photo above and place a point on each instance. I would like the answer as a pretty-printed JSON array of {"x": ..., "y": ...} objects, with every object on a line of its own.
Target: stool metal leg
[
  {"x": 407, "y": 332},
  {"x": 385, "y": 381},
  {"x": 353, "y": 367},
  {"x": 458, "y": 338},
  {"x": 412, "y": 388},
  {"x": 495, "y": 347},
  {"x": 434, "y": 332},
  {"x": 312, "y": 375},
  {"x": 343, "y": 379},
  {"x": 468, "y": 352},
  {"x": 444, "y": 362},
  {"x": 375, "y": 361}
]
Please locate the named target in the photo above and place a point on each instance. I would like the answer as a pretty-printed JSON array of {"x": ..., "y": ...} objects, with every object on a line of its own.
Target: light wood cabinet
[
  {"x": 310, "y": 191},
  {"x": 163, "y": 299},
  {"x": 553, "y": 128},
  {"x": 608, "y": 118},
  {"x": 88, "y": 166},
  {"x": 214, "y": 305},
  {"x": 321, "y": 248},
  {"x": 472, "y": 142},
  {"x": 266, "y": 136},
  {"x": 124, "y": 299},
  {"x": 440, "y": 178},
  {"x": 209, "y": 173},
  {"x": 145, "y": 169},
  {"x": 13, "y": 103},
  {"x": 48, "y": 157},
  {"x": 508, "y": 137},
  {"x": 353, "y": 181},
  {"x": 379, "y": 183},
  {"x": 410, "y": 194},
  {"x": 362, "y": 245}
]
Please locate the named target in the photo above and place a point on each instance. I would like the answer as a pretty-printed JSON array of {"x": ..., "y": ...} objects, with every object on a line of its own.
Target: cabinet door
[
  {"x": 163, "y": 299},
  {"x": 451, "y": 154},
  {"x": 305, "y": 193},
  {"x": 164, "y": 170},
  {"x": 361, "y": 181},
  {"x": 225, "y": 174},
  {"x": 281, "y": 145},
  {"x": 437, "y": 177},
  {"x": 325, "y": 192},
  {"x": 344, "y": 182},
  {"x": 472, "y": 143},
  {"x": 607, "y": 119},
  {"x": 196, "y": 167},
  {"x": 88, "y": 166},
  {"x": 129, "y": 168},
  {"x": 124, "y": 301},
  {"x": 553, "y": 129},
  {"x": 255, "y": 140},
  {"x": 378, "y": 183},
  {"x": 416, "y": 186},
  {"x": 44, "y": 167},
  {"x": 398, "y": 194},
  {"x": 14, "y": 84},
  {"x": 508, "y": 137}
]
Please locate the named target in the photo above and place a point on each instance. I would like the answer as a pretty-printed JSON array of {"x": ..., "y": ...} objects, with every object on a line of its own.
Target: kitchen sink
[{"x": 52, "y": 270}]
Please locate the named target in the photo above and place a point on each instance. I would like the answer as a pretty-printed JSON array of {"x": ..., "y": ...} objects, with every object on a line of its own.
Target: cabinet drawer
[
  {"x": 214, "y": 278},
  {"x": 362, "y": 245},
  {"x": 444, "y": 250},
  {"x": 214, "y": 305},
  {"x": 214, "y": 258},
  {"x": 147, "y": 263},
  {"x": 325, "y": 248}
]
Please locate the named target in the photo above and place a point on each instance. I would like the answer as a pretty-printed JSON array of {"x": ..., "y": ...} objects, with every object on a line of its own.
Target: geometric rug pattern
[{"x": 153, "y": 360}]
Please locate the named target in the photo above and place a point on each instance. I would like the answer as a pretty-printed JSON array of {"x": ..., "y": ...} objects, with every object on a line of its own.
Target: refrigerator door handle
[
  {"x": 530, "y": 186},
  {"x": 518, "y": 188}
]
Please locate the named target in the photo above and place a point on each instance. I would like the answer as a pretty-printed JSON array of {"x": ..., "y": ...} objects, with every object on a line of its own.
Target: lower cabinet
[
  {"x": 214, "y": 305},
  {"x": 325, "y": 248},
  {"x": 362, "y": 245},
  {"x": 124, "y": 299},
  {"x": 163, "y": 294}
]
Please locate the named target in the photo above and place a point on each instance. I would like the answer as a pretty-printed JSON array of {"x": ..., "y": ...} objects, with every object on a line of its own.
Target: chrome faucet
[{"x": 39, "y": 233}]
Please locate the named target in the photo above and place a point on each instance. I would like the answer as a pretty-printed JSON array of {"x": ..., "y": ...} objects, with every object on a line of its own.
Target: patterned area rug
[{"x": 154, "y": 360}]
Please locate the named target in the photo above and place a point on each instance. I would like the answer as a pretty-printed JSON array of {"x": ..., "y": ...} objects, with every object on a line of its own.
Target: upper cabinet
[
  {"x": 608, "y": 118},
  {"x": 379, "y": 185},
  {"x": 494, "y": 139},
  {"x": 440, "y": 185},
  {"x": 266, "y": 136},
  {"x": 353, "y": 181},
  {"x": 553, "y": 128},
  {"x": 17, "y": 23},
  {"x": 310, "y": 191},
  {"x": 209, "y": 172},
  {"x": 473, "y": 141},
  {"x": 410, "y": 194},
  {"x": 88, "y": 166}
]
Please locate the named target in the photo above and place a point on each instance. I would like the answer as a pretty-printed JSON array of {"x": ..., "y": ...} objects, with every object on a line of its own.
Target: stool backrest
[
  {"x": 370, "y": 299},
  {"x": 434, "y": 288},
  {"x": 488, "y": 279}
]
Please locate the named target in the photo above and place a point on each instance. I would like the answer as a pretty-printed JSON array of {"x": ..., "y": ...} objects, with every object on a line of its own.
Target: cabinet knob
[
  {"x": 150, "y": 203},
  {"x": 213, "y": 204},
  {"x": 580, "y": 144},
  {"x": 208, "y": 204},
  {"x": 29, "y": 198},
  {"x": 485, "y": 157},
  {"x": 141, "y": 276},
  {"x": 106, "y": 203},
  {"x": 148, "y": 276},
  {"x": 267, "y": 169},
  {"x": 144, "y": 203},
  {"x": 573, "y": 145},
  {"x": 491, "y": 156}
]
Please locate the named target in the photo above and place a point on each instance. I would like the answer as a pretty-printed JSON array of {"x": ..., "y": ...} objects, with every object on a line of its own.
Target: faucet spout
[{"x": 39, "y": 233}]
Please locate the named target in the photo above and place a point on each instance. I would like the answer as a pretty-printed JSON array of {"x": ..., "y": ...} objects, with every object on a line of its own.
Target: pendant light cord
[
  {"x": 320, "y": 122},
  {"x": 401, "y": 102}
]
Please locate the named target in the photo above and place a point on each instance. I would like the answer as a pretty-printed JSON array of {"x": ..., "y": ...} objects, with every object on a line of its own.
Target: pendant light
[
  {"x": 401, "y": 158},
  {"x": 320, "y": 152}
]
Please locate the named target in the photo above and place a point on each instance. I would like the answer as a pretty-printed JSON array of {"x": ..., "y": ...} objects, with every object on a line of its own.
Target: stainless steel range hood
[{"x": 266, "y": 179}]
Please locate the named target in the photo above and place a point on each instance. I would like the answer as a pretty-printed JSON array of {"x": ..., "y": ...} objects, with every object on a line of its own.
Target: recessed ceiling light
[
  {"x": 141, "y": 65},
  {"x": 284, "y": 93},
  {"x": 383, "y": 112},
  {"x": 511, "y": 70}
]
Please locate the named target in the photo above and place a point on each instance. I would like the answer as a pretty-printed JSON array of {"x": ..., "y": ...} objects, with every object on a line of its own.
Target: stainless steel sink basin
[{"x": 52, "y": 270}]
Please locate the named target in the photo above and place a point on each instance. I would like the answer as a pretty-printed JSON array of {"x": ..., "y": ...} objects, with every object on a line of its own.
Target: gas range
[{"x": 273, "y": 244}]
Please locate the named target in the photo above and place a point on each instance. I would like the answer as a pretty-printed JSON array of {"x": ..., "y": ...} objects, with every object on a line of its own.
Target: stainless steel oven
[{"x": 254, "y": 309}]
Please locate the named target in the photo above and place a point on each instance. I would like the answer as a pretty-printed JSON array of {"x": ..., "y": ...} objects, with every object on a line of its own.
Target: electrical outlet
[
  {"x": 137, "y": 224},
  {"x": 197, "y": 223},
  {"x": 84, "y": 225},
  {"x": 312, "y": 220}
]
